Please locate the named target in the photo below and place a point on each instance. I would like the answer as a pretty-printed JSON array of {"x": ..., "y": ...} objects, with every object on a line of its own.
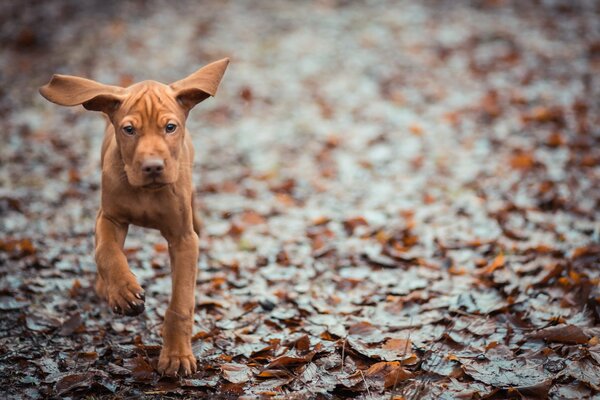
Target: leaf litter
[{"x": 399, "y": 201}]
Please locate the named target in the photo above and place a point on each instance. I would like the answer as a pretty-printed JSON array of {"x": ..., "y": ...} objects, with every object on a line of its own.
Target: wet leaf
[
  {"x": 42, "y": 323},
  {"x": 562, "y": 334},
  {"x": 141, "y": 370},
  {"x": 508, "y": 373},
  {"x": 8, "y": 303},
  {"x": 236, "y": 373},
  {"x": 584, "y": 371},
  {"x": 386, "y": 375},
  {"x": 73, "y": 324}
]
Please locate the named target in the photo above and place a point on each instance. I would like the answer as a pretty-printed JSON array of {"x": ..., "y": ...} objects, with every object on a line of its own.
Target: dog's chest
[
  {"x": 148, "y": 210},
  {"x": 147, "y": 217}
]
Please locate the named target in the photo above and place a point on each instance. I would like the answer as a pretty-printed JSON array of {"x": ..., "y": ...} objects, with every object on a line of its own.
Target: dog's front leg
[
  {"x": 176, "y": 354},
  {"x": 115, "y": 282}
]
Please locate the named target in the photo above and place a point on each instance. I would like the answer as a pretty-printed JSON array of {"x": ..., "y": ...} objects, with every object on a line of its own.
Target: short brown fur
[{"x": 147, "y": 181}]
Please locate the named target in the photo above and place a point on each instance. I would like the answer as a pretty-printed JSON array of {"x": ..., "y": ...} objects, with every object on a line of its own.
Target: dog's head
[{"x": 148, "y": 117}]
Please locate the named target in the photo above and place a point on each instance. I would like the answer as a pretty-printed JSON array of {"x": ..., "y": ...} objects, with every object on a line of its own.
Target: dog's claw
[
  {"x": 135, "y": 309},
  {"x": 131, "y": 310},
  {"x": 126, "y": 299},
  {"x": 176, "y": 366}
]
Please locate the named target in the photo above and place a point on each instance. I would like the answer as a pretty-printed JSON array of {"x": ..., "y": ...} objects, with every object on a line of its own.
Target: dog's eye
[
  {"x": 170, "y": 128},
  {"x": 128, "y": 130}
]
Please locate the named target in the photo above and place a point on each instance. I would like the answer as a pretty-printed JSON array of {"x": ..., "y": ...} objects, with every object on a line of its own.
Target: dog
[{"x": 146, "y": 160}]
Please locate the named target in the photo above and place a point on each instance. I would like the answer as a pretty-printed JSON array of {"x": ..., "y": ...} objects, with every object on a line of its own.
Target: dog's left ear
[
  {"x": 200, "y": 85},
  {"x": 68, "y": 90}
]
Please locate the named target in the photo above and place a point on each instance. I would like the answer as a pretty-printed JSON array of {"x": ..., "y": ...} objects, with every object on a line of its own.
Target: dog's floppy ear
[
  {"x": 68, "y": 90},
  {"x": 200, "y": 85}
]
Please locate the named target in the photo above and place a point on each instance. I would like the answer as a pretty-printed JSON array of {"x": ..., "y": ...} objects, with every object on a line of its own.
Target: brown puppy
[{"x": 147, "y": 159}]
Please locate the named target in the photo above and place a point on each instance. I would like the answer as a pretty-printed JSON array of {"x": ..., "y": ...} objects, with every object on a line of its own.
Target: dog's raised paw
[
  {"x": 134, "y": 309},
  {"x": 126, "y": 299},
  {"x": 131, "y": 309}
]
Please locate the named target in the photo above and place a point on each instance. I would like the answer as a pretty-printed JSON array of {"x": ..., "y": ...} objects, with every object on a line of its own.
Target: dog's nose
[{"x": 153, "y": 166}]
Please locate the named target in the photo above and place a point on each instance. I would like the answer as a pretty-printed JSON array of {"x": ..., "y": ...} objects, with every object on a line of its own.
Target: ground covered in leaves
[{"x": 401, "y": 200}]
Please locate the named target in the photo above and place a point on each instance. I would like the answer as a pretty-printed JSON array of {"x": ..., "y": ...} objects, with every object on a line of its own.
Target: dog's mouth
[{"x": 154, "y": 185}]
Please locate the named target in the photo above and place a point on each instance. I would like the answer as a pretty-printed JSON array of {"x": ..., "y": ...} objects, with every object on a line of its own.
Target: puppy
[{"x": 147, "y": 158}]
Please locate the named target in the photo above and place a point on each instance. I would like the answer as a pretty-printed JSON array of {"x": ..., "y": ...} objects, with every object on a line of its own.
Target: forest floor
[{"x": 400, "y": 199}]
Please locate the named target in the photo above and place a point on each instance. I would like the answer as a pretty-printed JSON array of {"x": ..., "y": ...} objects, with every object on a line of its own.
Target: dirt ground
[{"x": 401, "y": 200}]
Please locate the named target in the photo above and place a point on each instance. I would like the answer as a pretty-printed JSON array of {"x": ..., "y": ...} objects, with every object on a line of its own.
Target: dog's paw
[
  {"x": 126, "y": 298},
  {"x": 176, "y": 364}
]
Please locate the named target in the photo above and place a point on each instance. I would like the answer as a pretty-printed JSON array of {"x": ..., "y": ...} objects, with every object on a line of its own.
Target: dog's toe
[
  {"x": 126, "y": 299},
  {"x": 177, "y": 365},
  {"x": 131, "y": 310},
  {"x": 188, "y": 366},
  {"x": 134, "y": 309}
]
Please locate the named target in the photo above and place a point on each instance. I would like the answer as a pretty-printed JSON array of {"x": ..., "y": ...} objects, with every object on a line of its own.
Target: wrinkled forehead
[{"x": 150, "y": 100}]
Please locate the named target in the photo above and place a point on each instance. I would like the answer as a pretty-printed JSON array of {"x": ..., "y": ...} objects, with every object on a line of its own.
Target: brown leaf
[
  {"x": 115, "y": 369},
  {"x": 18, "y": 247},
  {"x": 27, "y": 247},
  {"x": 290, "y": 361},
  {"x": 236, "y": 373},
  {"x": 161, "y": 248},
  {"x": 285, "y": 199},
  {"x": 89, "y": 381},
  {"x": 396, "y": 350},
  {"x": 555, "y": 140},
  {"x": 522, "y": 161},
  {"x": 388, "y": 373},
  {"x": 569, "y": 334},
  {"x": 320, "y": 220},
  {"x": 366, "y": 332},
  {"x": 41, "y": 323},
  {"x": 73, "y": 324},
  {"x": 543, "y": 114},
  {"x": 252, "y": 218},
  {"x": 75, "y": 288},
  {"x": 140, "y": 369},
  {"x": 303, "y": 344},
  {"x": 351, "y": 224},
  {"x": 416, "y": 129},
  {"x": 246, "y": 94},
  {"x": 73, "y": 381},
  {"x": 497, "y": 262},
  {"x": 274, "y": 373},
  {"x": 398, "y": 346},
  {"x": 594, "y": 349},
  {"x": 585, "y": 371}
]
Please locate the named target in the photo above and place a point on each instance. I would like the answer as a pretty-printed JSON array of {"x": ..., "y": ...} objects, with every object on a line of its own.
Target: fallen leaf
[
  {"x": 236, "y": 373},
  {"x": 141, "y": 371},
  {"x": 569, "y": 334},
  {"x": 386, "y": 375},
  {"x": 73, "y": 324}
]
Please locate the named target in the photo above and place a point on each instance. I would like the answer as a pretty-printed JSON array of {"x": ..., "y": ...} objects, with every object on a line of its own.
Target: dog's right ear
[
  {"x": 68, "y": 90},
  {"x": 200, "y": 85}
]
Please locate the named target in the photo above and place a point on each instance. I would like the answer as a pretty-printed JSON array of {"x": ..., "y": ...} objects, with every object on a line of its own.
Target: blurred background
[
  {"x": 388, "y": 83},
  {"x": 344, "y": 132}
]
